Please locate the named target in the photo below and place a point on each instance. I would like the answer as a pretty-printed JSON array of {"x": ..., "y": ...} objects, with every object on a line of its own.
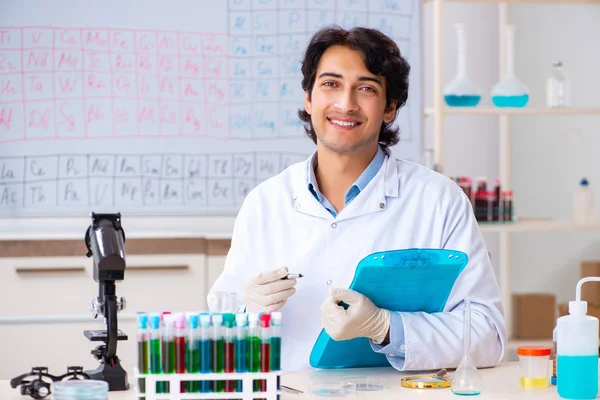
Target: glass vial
[{"x": 557, "y": 87}]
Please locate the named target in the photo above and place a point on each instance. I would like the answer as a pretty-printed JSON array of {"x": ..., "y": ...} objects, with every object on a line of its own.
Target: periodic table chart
[{"x": 179, "y": 107}]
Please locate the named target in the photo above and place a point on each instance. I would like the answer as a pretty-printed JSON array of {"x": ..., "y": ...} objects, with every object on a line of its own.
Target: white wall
[
  {"x": 550, "y": 154},
  {"x": 470, "y": 142}
]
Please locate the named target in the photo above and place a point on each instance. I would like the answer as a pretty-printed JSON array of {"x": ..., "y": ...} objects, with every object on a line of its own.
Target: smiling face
[{"x": 347, "y": 105}]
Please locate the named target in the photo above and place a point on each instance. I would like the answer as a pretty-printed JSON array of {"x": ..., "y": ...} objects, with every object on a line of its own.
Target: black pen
[{"x": 293, "y": 276}]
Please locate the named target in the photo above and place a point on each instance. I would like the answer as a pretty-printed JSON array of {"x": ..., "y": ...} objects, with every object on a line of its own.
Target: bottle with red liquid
[
  {"x": 466, "y": 185},
  {"x": 507, "y": 205},
  {"x": 497, "y": 201},
  {"x": 481, "y": 206},
  {"x": 180, "y": 347},
  {"x": 229, "y": 349},
  {"x": 265, "y": 348},
  {"x": 481, "y": 184}
]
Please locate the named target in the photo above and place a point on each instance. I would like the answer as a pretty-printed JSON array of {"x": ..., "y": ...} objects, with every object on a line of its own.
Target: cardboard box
[
  {"x": 534, "y": 315},
  {"x": 590, "y": 291}
]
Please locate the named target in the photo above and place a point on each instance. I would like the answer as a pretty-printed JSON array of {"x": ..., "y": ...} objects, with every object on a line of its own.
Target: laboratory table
[{"x": 500, "y": 382}]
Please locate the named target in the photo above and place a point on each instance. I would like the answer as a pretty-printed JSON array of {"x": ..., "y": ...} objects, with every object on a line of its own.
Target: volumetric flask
[
  {"x": 466, "y": 380},
  {"x": 510, "y": 91},
  {"x": 461, "y": 91}
]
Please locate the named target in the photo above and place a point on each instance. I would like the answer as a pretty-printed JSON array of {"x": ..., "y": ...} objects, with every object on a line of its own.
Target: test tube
[
  {"x": 168, "y": 348},
  {"x": 481, "y": 206},
  {"x": 241, "y": 363},
  {"x": 229, "y": 348},
  {"x": 497, "y": 206},
  {"x": 265, "y": 348},
  {"x": 155, "y": 366},
  {"x": 253, "y": 343},
  {"x": 205, "y": 351},
  {"x": 192, "y": 353},
  {"x": 180, "y": 334},
  {"x": 276, "y": 319},
  {"x": 507, "y": 205},
  {"x": 143, "y": 350},
  {"x": 217, "y": 348}
]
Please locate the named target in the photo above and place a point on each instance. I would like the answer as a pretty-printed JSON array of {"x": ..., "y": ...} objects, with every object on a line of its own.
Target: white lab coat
[{"x": 405, "y": 206}]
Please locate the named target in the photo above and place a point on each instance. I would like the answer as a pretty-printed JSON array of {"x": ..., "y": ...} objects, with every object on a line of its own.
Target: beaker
[
  {"x": 466, "y": 380},
  {"x": 461, "y": 91},
  {"x": 510, "y": 91},
  {"x": 222, "y": 302}
]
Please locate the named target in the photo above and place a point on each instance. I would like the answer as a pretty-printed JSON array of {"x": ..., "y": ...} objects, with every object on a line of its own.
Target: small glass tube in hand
[{"x": 466, "y": 380}]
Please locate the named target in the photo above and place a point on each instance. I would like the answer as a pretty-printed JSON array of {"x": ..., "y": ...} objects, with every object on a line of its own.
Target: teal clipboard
[{"x": 407, "y": 280}]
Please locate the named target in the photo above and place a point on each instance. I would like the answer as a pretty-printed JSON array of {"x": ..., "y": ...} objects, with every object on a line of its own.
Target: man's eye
[
  {"x": 368, "y": 89},
  {"x": 329, "y": 84}
]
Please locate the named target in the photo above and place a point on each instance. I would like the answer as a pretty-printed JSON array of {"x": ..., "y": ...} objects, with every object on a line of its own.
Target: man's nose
[{"x": 347, "y": 102}]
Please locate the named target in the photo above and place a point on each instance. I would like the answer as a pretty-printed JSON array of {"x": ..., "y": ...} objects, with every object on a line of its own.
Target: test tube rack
[{"x": 247, "y": 379}]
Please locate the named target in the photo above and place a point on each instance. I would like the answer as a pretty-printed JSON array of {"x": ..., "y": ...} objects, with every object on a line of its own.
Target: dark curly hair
[{"x": 381, "y": 56}]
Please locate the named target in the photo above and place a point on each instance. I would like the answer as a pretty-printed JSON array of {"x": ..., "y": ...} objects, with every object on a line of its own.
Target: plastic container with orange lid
[{"x": 533, "y": 366}]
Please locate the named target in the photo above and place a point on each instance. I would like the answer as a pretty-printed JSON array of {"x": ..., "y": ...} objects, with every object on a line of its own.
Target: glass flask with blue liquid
[
  {"x": 461, "y": 92},
  {"x": 510, "y": 91}
]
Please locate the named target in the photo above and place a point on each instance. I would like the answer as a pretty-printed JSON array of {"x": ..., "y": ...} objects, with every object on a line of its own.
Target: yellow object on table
[{"x": 533, "y": 366}]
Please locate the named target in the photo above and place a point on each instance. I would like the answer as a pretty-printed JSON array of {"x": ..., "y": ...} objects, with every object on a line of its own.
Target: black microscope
[{"x": 105, "y": 241}]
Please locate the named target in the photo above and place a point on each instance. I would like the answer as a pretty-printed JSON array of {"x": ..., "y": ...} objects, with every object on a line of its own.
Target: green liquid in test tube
[
  {"x": 218, "y": 350},
  {"x": 253, "y": 346},
  {"x": 155, "y": 366},
  {"x": 241, "y": 352},
  {"x": 192, "y": 353},
  {"x": 143, "y": 349},
  {"x": 168, "y": 347}
]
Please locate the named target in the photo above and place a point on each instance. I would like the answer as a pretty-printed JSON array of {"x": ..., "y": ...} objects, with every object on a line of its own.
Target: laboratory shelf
[
  {"x": 525, "y": 111},
  {"x": 537, "y": 226}
]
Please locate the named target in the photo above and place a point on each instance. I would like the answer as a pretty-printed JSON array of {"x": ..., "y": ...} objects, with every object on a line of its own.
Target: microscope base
[{"x": 112, "y": 373}]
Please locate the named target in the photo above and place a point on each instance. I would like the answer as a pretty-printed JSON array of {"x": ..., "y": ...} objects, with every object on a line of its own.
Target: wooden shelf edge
[
  {"x": 526, "y": 111},
  {"x": 538, "y": 226}
]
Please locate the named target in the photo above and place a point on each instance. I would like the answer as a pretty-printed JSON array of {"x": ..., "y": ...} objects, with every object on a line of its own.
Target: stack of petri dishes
[{"x": 80, "y": 390}]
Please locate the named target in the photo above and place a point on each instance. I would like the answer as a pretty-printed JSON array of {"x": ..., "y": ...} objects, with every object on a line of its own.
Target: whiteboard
[{"x": 167, "y": 107}]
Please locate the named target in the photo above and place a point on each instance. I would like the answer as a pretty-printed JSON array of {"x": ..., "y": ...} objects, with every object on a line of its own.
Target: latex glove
[
  {"x": 361, "y": 319},
  {"x": 267, "y": 291}
]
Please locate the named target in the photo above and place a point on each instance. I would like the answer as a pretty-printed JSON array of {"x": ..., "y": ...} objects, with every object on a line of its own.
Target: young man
[{"x": 351, "y": 198}]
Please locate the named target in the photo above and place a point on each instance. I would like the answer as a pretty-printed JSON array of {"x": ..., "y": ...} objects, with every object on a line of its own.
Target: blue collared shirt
[
  {"x": 396, "y": 345},
  {"x": 358, "y": 186}
]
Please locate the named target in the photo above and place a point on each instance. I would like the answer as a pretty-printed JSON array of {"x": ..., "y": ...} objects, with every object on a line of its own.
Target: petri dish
[
  {"x": 363, "y": 383},
  {"x": 330, "y": 389},
  {"x": 80, "y": 390}
]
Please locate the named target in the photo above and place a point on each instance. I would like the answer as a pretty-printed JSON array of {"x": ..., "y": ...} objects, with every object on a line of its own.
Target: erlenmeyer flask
[
  {"x": 461, "y": 92},
  {"x": 466, "y": 380},
  {"x": 510, "y": 91}
]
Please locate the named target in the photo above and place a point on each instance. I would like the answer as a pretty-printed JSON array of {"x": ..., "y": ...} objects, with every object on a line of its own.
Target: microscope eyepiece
[{"x": 105, "y": 241}]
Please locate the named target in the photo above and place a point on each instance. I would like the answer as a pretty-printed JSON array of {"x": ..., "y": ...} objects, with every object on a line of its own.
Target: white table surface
[{"x": 501, "y": 382}]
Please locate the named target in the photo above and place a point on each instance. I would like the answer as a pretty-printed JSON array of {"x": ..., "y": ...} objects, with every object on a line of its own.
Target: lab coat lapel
[
  {"x": 374, "y": 197},
  {"x": 303, "y": 200}
]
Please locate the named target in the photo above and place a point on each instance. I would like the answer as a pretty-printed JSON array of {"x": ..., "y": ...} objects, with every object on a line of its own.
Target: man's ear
[
  {"x": 390, "y": 113},
  {"x": 307, "y": 104}
]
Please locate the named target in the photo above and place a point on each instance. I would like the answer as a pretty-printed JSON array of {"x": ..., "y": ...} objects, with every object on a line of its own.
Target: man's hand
[
  {"x": 267, "y": 291},
  {"x": 361, "y": 319}
]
